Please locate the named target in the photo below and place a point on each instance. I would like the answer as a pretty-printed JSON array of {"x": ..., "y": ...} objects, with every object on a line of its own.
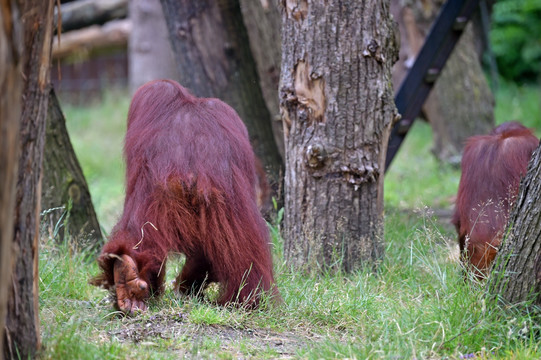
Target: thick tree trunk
[
  {"x": 214, "y": 60},
  {"x": 264, "y": 24},
  {"x": 516, "y": 276},
  {"x": 11, "y": 81},
  {"x": 150, "y": 54},
  {"x": 65, "y": 197},
  {"x": 337, "y": 107},
  {"x": 22, "y": 322},
  {"x": 460, "y": 104}
]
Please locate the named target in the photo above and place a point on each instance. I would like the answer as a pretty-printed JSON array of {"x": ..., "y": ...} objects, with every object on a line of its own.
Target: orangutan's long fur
[
  {"x": 492, "y": 166},
  {"x": 191, "y": 174}
]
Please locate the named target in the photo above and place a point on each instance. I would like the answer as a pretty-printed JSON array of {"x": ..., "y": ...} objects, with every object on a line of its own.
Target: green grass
[
  {"x": 521, "y": 103},
  {"x": 415, "y": 306},
  {"x": 97, "y": 134},
  {"x": 415, "y": 178}
]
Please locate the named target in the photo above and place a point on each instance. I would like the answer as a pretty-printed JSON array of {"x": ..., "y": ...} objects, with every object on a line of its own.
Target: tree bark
[
  {"x": 150, "y": 54},
  {"x": 264, "y": 24},
  {"x": 22, "y": 321},
  {"x": 65, "y": 197},
  {"x": 11, "y": 53},
  {"x": 337, "y": 107},
  {"x": 214, "y": 60},
  {"x": 516, "y": 276},
  {"x": 460, "y": 104}
]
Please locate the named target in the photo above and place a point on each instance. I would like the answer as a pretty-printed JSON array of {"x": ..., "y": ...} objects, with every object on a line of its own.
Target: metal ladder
[{"x": 438, "y": 46}]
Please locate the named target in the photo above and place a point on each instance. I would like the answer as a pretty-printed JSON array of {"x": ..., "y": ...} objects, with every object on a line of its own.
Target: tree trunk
[
  {"x": 22, "y": 321},
  {"x": 516, "y": 276},
  {"x": 264, "y": 24},
  {"x": 65, "y": 197},
  {"x": 150, "y": 54},
  {"x": 11, "y": 53},
  {"x": 337, "y": 106},
  {"x": 214, "y": 60},
  {"x": 460, "y": 104}
]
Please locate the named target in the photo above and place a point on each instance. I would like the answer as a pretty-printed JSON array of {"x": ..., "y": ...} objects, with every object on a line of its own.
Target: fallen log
[
  {"x": 112, "y": 34},
  {"x": 83, "y": 13}
]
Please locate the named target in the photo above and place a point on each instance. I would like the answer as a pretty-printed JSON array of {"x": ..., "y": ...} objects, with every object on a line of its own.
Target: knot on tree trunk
[
  {"x": 374, "y": 50},
  {"x": 315, "y": 156},
  {"x": 310, "y": 93},
  {"x": 74, "y": 193},
  {"x": 357, "y": 175},
  {"x": 296, "y": 9}
]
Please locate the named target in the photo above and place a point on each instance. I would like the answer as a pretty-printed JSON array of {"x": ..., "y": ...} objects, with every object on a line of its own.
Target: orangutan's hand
[{"x": 131, "y": 291}]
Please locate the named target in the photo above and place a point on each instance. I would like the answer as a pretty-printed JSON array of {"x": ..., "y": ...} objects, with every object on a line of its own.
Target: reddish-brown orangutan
[
  {"x": 191, "y": 183},
  {"x": 492, "y": 166}
]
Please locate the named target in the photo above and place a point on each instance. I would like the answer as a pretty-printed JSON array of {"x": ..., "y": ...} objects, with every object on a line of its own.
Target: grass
[
  {"x": 415, "y": 178},
  {"x": 415, "y": 306},
  {"x": 521, "y": 103},
  {"x": 97, "y": 134}
]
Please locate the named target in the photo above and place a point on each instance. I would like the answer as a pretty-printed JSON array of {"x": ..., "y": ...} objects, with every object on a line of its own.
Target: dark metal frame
[{"x": 437, "y": 48}]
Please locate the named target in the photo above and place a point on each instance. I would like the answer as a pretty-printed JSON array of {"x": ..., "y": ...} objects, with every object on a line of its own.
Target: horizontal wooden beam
[
  {"x": 82, "y": 13},
  {"x": 112, "y": 34}
]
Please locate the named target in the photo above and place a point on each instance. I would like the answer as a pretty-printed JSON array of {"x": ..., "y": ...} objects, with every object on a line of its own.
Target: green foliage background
[{"x": 516, "y": 39}]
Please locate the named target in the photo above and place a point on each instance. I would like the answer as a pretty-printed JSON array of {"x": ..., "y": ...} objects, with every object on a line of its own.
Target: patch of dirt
[{"x": 176, "y": 326}]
